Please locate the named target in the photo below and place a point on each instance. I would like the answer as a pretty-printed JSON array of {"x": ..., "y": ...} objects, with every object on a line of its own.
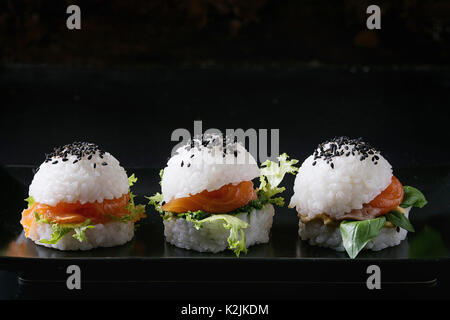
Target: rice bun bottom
[
  {"x": 103, "y": 235},
  {"x": 329, "y": 236},
  {"x": 212, "y": 236}
]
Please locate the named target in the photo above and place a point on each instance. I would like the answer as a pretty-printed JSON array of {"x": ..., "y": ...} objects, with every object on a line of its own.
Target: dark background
[{"x": 138, "y": 69}]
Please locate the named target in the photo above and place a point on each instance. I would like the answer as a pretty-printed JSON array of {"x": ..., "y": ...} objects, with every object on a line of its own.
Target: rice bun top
[
  {"x": 341, "y": 175},
  {"x": 206, "y": 163},
  {"x": 81, "y": 172}
]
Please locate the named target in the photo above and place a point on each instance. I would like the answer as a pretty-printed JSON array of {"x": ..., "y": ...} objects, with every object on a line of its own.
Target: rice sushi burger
[
  {"x": 208, "y": 201},
  {"x": 80, "y": 199},
  {"x": 347, "y": 198}
]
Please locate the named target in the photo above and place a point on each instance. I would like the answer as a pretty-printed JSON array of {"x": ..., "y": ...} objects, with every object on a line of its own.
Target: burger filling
[{"x": 67, "y": 217}]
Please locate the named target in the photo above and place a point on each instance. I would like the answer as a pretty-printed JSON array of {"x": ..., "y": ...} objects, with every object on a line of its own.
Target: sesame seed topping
[
  {"x": 335, "y": 147},
  {"x": 81, "y": 150},
  {"x": 207, "y": 142}
]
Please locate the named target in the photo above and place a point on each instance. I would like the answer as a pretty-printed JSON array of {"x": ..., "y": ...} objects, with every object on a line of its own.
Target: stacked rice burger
[
  {"x": 80, "y": 199},
  {"x": 348, "y": 199},
  {"x": 208, "y": 201}
]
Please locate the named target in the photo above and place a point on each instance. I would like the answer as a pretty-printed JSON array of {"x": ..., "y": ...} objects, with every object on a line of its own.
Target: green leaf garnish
[
  {"x": 60, "y": 230},
  {"x": 161, "y": 173},
  {"x": 413, "y": 198},
  {"x": 156, "y": 201},
  {"x": 30, "y": 201},
  {"x": 236, "y": 240},
  {"x": 80, "y": 232},
  {"x": 356, "y": 234},
  {"x": 136, "y": 212},
  {"x": 398, "y": 219},
  {"x": 272, "y": 174},
  {"x": 132, "y": 180},
  {"x": 38, "y": 218}
]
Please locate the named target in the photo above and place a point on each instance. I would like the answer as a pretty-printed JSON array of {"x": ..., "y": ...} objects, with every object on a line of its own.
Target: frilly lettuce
[
  {"x": 271, "y": 176},
  {"x": 136, "y": 211},
  {"x": 30, "y": 201},
  {"x": 236, "y": 239},
  {"x": 60, "y": 230}
]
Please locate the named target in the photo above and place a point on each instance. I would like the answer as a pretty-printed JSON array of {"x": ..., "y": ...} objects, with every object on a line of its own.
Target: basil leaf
[
  {"x": 400, "y": 220},
  {"x": 413, "y": 198},
  {"x": 356, "y": 234}
]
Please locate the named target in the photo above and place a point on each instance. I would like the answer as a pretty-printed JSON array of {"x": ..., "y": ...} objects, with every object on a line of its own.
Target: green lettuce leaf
[
  {"x": 132, "y": 180},
  {"x": 272, "y": 174},
  {"x": 80, "y": 232},
  {"x": 38, "y": 218},
  {"x": 356, "y": 234},
  {"x": 30, "y": 201},
  {"x": 413, "y": 198},
  {"x": 161, "y": 173},
  {"x": 398, "y": 219},
  {"x": 60, "y": 230},
  {"x": 135, "y": 211},
  {"x": 156, "y": 201},
  {"x": 236, "y": 240}
]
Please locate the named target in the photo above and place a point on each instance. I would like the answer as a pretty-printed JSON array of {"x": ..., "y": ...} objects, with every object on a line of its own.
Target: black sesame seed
[
  {"x": 104, "y": 163},
  {"x": 182, "y": 163},
  {"x": 189, "y": 165},
  {"x": 336, "y": 146},
  {"x": 332, "y": 165},
  {"x": 55, "y": 162},
  {"x": 75, "y": 161},
  {"x": 95, "y": 165},
  {"x": 314, "y": 163},
  {"x": 192, "y": 155}
]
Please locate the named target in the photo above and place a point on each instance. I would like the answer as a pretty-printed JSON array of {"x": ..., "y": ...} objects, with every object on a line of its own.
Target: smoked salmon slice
[
  {"x": 73, "y": 213},
  {"x": 226, "y": 199},
  {"x": 390, "y": 198}
]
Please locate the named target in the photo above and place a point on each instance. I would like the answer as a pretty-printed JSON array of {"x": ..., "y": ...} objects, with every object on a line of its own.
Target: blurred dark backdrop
[
  {"x": 137, "y": 70},
  {"x": 201, "y": 31}
]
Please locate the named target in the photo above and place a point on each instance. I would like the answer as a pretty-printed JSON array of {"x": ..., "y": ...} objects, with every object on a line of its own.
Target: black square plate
[{"x": 419, "y": 261}]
